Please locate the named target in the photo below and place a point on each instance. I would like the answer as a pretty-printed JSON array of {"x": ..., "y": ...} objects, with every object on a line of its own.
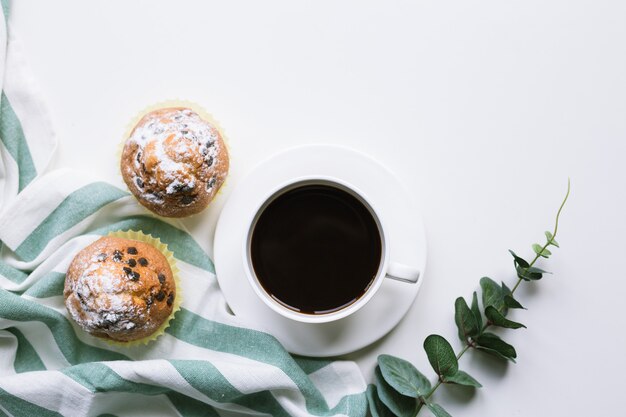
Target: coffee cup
[{"x": 317, "y": 250}]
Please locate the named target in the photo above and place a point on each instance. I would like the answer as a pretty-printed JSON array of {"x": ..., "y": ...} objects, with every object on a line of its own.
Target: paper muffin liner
[
  {"x": 176, "y": 103},
  {"x": 169, "y": 256}
]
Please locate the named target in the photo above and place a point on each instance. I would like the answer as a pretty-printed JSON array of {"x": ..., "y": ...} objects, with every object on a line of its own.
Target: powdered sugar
[
  {"x": 153, "y": 198},
  {"x": 104, "y": 305}
]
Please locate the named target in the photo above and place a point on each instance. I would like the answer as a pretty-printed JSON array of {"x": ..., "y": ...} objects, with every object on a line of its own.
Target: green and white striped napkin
[{"x": 208, "y": 363}]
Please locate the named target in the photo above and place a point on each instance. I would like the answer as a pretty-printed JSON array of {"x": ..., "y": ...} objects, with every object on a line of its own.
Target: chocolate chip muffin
[
  {"x": 119, "y": 289},
  {"x": 174, "y": 162}
]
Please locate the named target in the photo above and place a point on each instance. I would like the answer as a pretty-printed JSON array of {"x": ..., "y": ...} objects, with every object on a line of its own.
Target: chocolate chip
[
  {"x": 132, "y": 263},
  {"x": 170, "y": 299},
  {"x": 182, "y": 188},
  {"x": 211, "y": 183},
  {"x": 160, "y": 296},
  {"x": 134, "y": 276},
  {"x": 210, "y": 143},
  {"x": 102, "y": 257},
  {"x": 184, "y": 132},
  {"x": 139, "y": 182},
  {"x": 132, "y": 250},
  {"x": 161, "y": 278},
  {"x": 209, "y": 161},
  {"x": 187, "y": 199},
  {"x": 143, "y": 261},
  {"x": 138, "y": 158},
  {"x": 117, "y": 255}
]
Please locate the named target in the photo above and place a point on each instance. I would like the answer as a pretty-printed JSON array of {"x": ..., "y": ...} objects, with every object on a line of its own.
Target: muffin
[
  {"x": 174, "y": 162},
  {"x": 119, "y": 289}
]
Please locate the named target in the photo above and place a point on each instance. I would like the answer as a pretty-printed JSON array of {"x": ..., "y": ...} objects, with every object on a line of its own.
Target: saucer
[{"x": 403, "y": 223}]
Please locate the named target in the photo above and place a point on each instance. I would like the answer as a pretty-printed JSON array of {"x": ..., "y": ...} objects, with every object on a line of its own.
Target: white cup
[{"x": 386, "y": 268}]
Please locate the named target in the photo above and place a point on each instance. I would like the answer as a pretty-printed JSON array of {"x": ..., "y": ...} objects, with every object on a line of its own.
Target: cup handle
[{"x": 403, "y": 273}]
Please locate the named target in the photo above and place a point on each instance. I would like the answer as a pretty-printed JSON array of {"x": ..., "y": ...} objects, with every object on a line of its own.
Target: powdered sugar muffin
[
  {"x": 174, "y": 162},
  {"x": 119, "y": 289}
]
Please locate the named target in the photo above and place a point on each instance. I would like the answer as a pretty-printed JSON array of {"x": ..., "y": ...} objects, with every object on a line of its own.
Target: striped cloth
[{"x": 208, "y": 363}]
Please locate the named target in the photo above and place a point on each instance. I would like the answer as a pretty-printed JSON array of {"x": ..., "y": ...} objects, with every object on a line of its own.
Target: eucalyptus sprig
[{"x": 401, "y": 390}]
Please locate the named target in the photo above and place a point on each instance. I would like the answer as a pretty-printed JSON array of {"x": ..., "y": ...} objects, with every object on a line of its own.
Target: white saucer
[{"x": 407, "y": 243}]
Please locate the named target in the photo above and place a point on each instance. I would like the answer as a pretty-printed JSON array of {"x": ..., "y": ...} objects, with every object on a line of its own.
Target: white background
[{"x": 483, "y": 109}]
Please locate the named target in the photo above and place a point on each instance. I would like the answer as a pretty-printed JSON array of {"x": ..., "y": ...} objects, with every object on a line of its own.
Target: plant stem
[
  {"x": 558, "y": 214},
  {"x": 433, "y": 390},
  {"x": 556, "y": 229},
  {"x": 420, "y": 403},
  {"x": 519, "y": 281},
  {"x": 462, "y": 352}
]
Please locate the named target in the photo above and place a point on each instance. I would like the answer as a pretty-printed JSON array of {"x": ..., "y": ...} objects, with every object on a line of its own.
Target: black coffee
[{"x": 316, "y": 249}]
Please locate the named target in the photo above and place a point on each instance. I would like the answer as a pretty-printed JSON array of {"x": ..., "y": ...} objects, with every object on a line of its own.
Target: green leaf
[
  {"x": 496, "y": 318},
  {"x": 505, "y": 291},
  {"x": 491, "y": 343},
  {"x": 523, "y": 274},
  {"x": 539, "y": 250},
  {"x": 551, "y": 240},
  {"x": 528, "y": 273},
  {"x": 465, "y": 320},
  {"x": 377, "y": 408},
  {"x": 511, "y": 302},
  {"x": 400, "y": 405},
  {"x": 521, "y": 266},
  {"x": 476, "y": 311},
  {"x": 492, "y": 293},
  {"x": 519, "y": 261},
  {"x": 441, "y": 355},
  {"x": 535, "y": 270},
  {"x": 437, "y": 410},
  {"x": 403, "y": 376},
  {"x": 462, "y": 378}
]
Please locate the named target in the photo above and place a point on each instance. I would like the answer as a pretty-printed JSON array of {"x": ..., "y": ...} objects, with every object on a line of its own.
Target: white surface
[
  {"x": 387, "y": 301},
  {"x": 482, "y": 108}
]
